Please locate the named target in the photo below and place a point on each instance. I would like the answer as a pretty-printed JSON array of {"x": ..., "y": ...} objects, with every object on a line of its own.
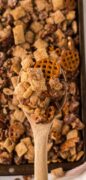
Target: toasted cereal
[
  {"x": 58, "y": 172},
  {"x": 27, "y": 5},
  {"x": 20, "y": 149},
  {"x": 41, "y": 5},
  {"x": 18, "y": 32},
  {"x": 39, "y": 43},
  {"x": 19, "y": 115},
  {"x": 58, "y": 17},
  {"x": 72, "y": 134},
  {"x": 18, "y": 13},
  {"x": 69, "y": 144},
  {"x": 26, "y": 141},
  {"x": 58, "y": 4},
  {"x": 30, "y": 153},
  {"x": 9, "y": 145},
  {"x": 27, "y": 62},
  {"x": 19, "y": 52},
  {"x": 40, "y": 54}
]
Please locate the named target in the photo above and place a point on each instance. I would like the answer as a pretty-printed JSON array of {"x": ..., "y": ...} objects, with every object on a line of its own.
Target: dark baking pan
[{"x": 29, "y": 168}]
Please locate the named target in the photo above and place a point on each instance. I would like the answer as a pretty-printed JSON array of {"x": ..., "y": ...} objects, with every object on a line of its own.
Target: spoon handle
[
  {"x": 40, "y": 140},
  {"x": 40, "y": 134}
]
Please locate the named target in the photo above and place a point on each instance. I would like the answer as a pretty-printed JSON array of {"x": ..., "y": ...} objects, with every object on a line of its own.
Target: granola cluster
[{"x": 32, "y": 30}]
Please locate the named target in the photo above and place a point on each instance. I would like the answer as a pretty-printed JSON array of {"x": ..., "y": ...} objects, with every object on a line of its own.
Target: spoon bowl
[{"x": 40, "y": 135}]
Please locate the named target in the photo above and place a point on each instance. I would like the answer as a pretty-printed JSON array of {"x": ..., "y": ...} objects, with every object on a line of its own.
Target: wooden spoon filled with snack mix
[{"x": 41, "y": 93}]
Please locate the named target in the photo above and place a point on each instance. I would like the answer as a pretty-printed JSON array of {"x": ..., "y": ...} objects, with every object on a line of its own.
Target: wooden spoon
[{"x": 40, "y": 134}]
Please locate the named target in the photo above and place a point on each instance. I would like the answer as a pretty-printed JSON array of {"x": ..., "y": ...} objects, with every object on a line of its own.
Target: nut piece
[
  {"x": 71, "y": 15},
  {"x": 58, "y": 17},
  {"x": 36, "y": 26},
  {"x": 60, "y": 35},
  {"x": 74, "y": 27},
  {"x": 20, "y": 149},
  {"x": 18, "y": 13},
  {"x": 18, "y": 32},
  {"x": 58, "y": 4}
]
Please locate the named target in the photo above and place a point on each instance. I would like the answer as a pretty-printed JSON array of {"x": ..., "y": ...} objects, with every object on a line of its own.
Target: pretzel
[
  {"x": 49, "y": 67},
  {"x": 57, "y": 50},
  {"x": 70, "y": 60}
]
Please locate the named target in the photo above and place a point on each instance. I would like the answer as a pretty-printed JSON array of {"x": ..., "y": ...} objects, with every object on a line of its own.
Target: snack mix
[{"x": 35, "y": 37}]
